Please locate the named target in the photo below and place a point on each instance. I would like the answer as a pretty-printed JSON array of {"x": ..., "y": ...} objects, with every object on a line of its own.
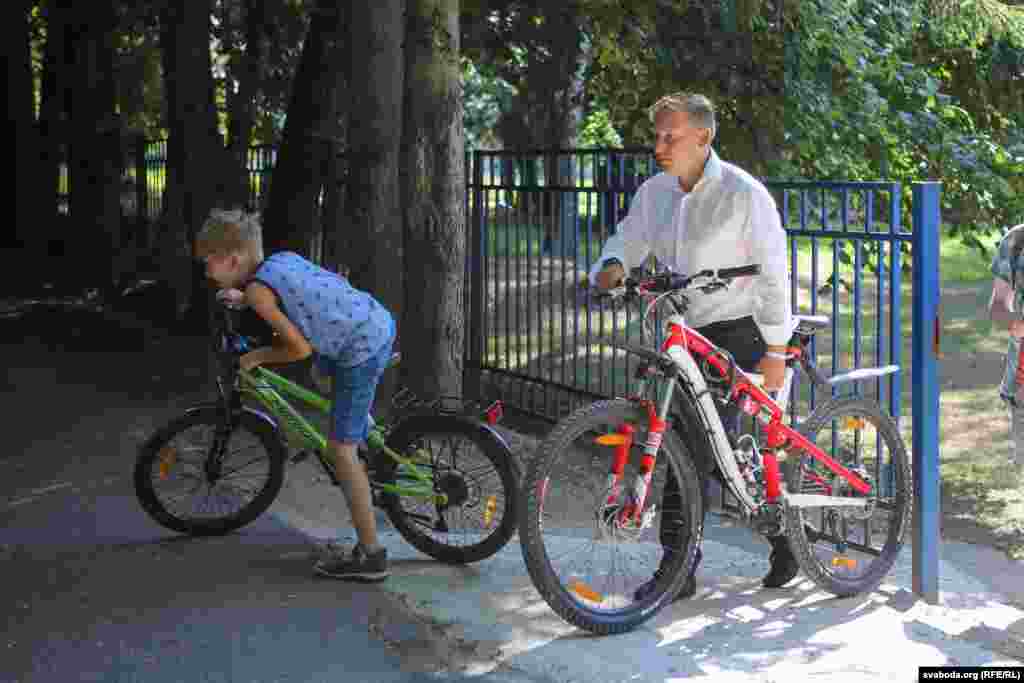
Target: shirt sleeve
[
  {"x": 772, "y": 311},
  {"x": 631, "y": 242}
]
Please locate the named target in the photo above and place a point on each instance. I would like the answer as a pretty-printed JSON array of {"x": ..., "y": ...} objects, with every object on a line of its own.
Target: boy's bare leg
[{"x": 356, "y": 487}]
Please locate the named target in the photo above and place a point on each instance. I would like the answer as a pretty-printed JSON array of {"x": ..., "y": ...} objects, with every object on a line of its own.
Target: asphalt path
[{"x": 93, "y": 590}]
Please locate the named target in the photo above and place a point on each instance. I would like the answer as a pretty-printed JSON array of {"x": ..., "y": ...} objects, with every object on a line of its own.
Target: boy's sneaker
[{"x": 355, "y": 566}]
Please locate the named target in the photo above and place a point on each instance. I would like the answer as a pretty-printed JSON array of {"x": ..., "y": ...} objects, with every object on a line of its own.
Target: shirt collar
[{"x": 712, "y": 170}]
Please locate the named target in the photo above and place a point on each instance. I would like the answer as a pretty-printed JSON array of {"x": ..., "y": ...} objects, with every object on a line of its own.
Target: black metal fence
[{"x": 539, "y": 220}]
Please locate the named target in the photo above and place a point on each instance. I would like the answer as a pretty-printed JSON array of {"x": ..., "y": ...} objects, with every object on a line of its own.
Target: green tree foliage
[
  {"x": 836, "y": 89},
  {"x": 901, "y": 93},
  {"x": 484, "y": 96}
]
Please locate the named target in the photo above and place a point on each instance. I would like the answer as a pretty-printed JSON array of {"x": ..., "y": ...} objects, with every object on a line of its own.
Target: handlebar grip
[{"x": 739, "y": 271}]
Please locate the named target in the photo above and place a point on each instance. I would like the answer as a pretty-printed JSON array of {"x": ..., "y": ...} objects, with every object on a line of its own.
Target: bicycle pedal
[{"x": 299, "y": 457}]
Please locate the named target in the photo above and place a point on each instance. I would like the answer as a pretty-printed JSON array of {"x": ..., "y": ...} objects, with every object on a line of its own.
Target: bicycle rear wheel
[
  {"x": 850, "y": 550},
  {"x": 182, "y": 489},
  {"x": 469, "y": 463},
  {"x": 583, "y": 558}
]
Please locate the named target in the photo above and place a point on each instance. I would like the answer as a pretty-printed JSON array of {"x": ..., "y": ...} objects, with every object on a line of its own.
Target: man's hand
[
  {"x": 1017, "y": 328},
  {"x": 610, "y": 277},
  {"x": 774, "y": 371}
]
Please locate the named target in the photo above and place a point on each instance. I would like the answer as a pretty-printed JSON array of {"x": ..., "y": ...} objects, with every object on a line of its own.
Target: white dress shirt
[{"x": 729, "y": 219}]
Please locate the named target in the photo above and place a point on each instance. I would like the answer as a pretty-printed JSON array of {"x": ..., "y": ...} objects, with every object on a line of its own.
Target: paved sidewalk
[{"x": 497, "y": 626}]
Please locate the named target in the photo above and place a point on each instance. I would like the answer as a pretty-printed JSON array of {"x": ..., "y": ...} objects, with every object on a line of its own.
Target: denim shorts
[{"x": 354, "y": 390}]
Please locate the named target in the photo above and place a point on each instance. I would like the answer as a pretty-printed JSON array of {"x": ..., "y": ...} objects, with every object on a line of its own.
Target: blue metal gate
[{"x": 538, "y": 220}]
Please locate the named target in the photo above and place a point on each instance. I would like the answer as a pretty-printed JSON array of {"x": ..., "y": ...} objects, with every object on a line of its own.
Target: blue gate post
[{"x": 927, "y": 231}]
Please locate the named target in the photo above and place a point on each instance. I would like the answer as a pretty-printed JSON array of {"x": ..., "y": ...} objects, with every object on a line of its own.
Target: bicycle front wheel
[
  {"x": 849, "y": 550},
  {"x": 184, "y": 486},
  {"x": 473, "y": 467},
  {"x": 599, "y": 567}
]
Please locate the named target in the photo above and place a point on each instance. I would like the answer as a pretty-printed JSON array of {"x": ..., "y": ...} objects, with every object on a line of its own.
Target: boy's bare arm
[
  {"x": 999, "y": 303},
  {"x": 999, "y": 307},
  {"x": 293, "y": 345}
]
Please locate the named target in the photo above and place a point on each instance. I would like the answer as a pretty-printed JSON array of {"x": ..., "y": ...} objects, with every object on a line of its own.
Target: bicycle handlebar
[
  {"x": 676, "y": 282},
  {"x": 739, "y": 271}
]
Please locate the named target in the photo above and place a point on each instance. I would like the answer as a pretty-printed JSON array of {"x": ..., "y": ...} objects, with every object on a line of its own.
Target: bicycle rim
[
  {"x": 477, "y": 474},
  {"x": 180, "y": 486},
  {"x": 850, "y": 550},
  {"x": 589, "y": 559}
]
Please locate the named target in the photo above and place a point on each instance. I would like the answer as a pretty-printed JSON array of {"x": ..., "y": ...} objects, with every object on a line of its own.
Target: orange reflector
[
  {"x": 489, "y": 509},
  {"x": 854, "y": 423},
  {"x": 167, "y": 456},
  {"x": 613, "y": 440},
  {"x": 847, "y": 562},
  {"x": 584, "y": 591}
]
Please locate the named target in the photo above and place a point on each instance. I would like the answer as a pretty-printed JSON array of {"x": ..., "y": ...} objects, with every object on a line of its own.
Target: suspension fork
[{"x": 657, "y": 422}]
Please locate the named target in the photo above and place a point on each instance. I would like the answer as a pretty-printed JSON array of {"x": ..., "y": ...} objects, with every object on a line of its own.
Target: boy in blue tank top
[{"x": 314, "y": 312}]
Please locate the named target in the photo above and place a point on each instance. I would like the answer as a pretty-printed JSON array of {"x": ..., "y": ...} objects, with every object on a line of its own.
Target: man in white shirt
[{"x": 701, "y": 213}]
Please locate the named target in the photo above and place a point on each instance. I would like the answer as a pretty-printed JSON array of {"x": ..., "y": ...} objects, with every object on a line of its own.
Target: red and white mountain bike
[{"x": 616, "y": 482}]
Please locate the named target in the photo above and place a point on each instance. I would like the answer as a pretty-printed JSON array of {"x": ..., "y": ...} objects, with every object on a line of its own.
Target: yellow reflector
[
  {"x": 167, "y": 456},
  {"x": 847, "y": 562},
  {"x": 584, "y": 591},
  {"x": 489, "y": 509},
  {"x": 854, "y": 423},
  {"x": 612, "y": 440}
]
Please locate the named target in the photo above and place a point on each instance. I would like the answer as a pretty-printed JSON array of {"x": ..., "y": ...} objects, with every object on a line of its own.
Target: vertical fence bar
[
  {"x": 476, "y": 310},
  {"x": 141, "y": 213},
  {"x": 926, "y": 390},
  {"x": 896, "y": 304}
]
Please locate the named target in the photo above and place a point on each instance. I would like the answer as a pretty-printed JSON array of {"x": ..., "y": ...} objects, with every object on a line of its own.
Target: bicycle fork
[{"x": 632, "y": 512}]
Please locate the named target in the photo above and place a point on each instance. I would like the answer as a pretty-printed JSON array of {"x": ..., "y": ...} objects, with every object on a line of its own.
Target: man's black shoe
[
  {"x": 784, "y": 565},
  {"x": 688, "y": 590}
]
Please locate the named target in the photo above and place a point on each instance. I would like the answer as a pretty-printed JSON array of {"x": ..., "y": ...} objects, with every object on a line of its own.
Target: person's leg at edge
[
  {"x": 354, "y": 390},
  {"x": 743, "y": 340},
  {"x": 1016, "y": 433},
  {"x": 356, "y": 487}
]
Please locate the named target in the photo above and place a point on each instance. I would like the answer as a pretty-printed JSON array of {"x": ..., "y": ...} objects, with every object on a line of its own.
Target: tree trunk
[
  {"x": 94, "y": 168},
  {"x": 195, "y": 150},
  {"x": 372, "y": 240},
  {"x": 310, "y": 130},
  {"x": 433, "y": 192},
  {"x": 55, "y": 85},
  {"x": 21, "y": 111}
]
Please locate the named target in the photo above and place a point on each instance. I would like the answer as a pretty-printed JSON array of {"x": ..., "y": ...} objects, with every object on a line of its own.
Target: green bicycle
[{"x": 446, "y": 479}]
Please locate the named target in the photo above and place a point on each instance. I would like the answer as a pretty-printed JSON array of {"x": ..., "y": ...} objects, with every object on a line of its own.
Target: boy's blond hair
[{"x": 231, "y": 231}]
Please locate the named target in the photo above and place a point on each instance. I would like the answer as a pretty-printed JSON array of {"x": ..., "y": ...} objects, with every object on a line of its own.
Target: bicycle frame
[
  {"x": 683, "y": 347},
  {"x": 269, "y": 389}
]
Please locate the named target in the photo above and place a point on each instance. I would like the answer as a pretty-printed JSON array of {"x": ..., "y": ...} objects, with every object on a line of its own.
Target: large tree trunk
[
  {"x": 195, "y": 153},
  {"x": 55, "y": 86},
  {"x": 21, "y": 111},
  {"x": 433, "y": 192},
  {"x": 310, "y": 131},
  {"x": 372, "y": 241},
  {"x": 94, "y": 168}
]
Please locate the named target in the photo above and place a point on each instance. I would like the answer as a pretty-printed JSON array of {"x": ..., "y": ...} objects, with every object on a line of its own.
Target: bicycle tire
[
  {"x": 535, "y": 555},
  {"x": 417, "y": 429},
  {"x": 267, "y": 439},
  {"x": 797, "y": 524}
]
